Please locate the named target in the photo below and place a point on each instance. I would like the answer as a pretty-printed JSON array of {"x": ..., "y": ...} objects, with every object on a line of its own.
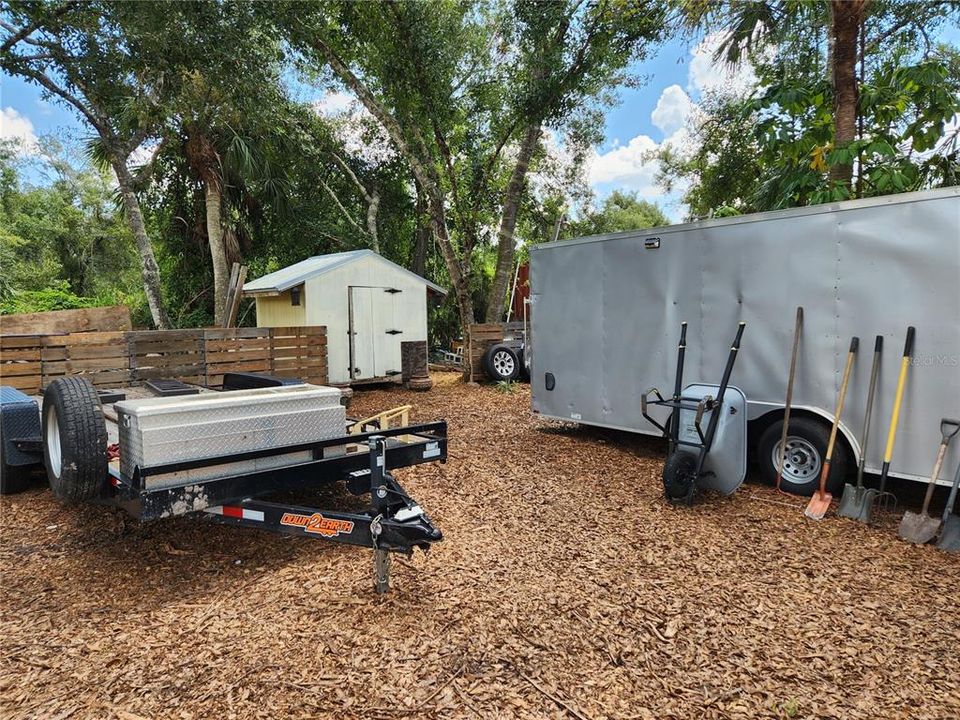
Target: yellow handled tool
[
  {"x": 820, "y": 502},
  {"x": 882, "y": 494}
]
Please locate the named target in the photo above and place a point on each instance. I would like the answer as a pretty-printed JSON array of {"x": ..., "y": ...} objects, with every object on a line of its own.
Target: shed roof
[{"x": 296, "y": 274}]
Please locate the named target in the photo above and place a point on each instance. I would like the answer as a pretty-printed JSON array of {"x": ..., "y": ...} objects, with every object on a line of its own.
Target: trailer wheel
[
  {"x": 500, "y": 362},
  {"x": 806, "y": 449},
  {"x": 679, "y": 477},
  {"x": 74, "y": 439}
]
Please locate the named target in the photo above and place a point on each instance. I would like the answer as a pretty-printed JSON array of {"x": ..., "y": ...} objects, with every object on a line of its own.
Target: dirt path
[{"x": 565, "y": 587}]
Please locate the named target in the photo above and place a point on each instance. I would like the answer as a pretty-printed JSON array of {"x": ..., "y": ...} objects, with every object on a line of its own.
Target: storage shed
[{"x": 368, "y": 304}]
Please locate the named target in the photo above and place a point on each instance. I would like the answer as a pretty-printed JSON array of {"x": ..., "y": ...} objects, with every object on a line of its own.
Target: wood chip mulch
[{"x": 565, "y": 588}]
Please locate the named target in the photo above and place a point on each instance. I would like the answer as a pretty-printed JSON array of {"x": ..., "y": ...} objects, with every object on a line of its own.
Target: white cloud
[
  {"x": 143, "y": 154},
  {"x": 14, "y": 126},
  {"x": 709, "y": 75},
  {"x": 673, "y": 109},
  {"x": 335, "y": 104}
]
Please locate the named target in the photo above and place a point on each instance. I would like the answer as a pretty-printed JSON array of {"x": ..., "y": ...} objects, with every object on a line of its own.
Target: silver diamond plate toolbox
[{"x": 157, "y": 431}]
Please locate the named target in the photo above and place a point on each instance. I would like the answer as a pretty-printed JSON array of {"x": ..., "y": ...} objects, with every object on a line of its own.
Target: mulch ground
[{"x": 565, "y": 587}]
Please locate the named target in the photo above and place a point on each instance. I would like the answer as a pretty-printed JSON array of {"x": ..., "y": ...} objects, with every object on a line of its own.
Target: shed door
[
  {"x": 362, "y": 314},
  {"x": 386, "y": 333}
]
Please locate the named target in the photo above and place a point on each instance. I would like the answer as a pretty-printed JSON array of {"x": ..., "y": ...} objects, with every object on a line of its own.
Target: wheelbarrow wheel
[{"x": 679, "y": 477}]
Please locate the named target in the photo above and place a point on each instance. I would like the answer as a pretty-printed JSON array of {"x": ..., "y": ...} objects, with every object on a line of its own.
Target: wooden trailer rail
[{"x": 200, "y": 355}]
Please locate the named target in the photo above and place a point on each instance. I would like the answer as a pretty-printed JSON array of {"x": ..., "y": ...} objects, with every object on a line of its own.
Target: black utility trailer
[{"x": 393, "y": 521}]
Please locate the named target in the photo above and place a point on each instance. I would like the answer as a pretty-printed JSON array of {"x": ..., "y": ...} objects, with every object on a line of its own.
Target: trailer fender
[{"x": 770, "y": 413}]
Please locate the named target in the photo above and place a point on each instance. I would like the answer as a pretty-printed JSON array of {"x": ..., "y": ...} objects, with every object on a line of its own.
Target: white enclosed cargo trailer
[{"x": 606, "y": 312}]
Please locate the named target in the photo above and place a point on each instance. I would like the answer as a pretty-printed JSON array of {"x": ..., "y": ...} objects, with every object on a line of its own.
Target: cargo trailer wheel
[
  {"x": 74, "y": 440},
  {"x": 500, "y": 362},
  {"x": 806, "y": 449}
]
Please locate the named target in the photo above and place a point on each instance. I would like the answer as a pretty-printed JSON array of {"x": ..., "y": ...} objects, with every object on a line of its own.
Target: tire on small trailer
[
  {"x": 74, "y": 440},
  {"x": 500, "y": 362},
  {"x": 806, "y": 449}
]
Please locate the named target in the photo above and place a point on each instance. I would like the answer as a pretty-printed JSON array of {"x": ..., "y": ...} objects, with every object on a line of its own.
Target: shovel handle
[
  {"x": 941, "y": 453},
  {"x": 945, "y": 431}
]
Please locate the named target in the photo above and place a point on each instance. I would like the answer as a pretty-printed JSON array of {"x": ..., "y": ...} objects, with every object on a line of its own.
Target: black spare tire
[
  {"x": 74, "y": 440},
  {"x": 500, "y": 362}
]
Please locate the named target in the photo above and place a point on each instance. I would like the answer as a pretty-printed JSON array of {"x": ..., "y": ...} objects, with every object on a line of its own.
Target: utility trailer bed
[{"x": 251, "y": 457}]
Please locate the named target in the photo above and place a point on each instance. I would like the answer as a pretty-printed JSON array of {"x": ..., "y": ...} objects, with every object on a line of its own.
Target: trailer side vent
[
  {"x": 651, "y": 243},
  {"x": 549, "y": 381}
]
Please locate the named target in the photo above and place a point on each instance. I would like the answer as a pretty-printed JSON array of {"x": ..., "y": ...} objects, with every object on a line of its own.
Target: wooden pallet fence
[
  {"x": 201, "y": 356},
  {"x": 21, "y": 362},
  {"x": 482, "y": 336},
  {"x": 158, "y": 354},
  {"x": 299, "y": 352},
  {"x": 100, "y": 357},
  {"x": 236, "y": 350}
]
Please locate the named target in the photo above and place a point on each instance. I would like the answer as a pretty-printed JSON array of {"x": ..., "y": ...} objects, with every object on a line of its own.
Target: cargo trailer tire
[
  {"x": 806, "y": 449},
  {"x": 74, "y": 440},
  {"x": 500, "y": 362}
]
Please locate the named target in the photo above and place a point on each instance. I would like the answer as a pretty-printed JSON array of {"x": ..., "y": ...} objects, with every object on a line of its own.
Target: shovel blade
[
  {"x": 854, "y": 503},
  {"x": 918, "y": 528},
  {"x": 950, "y": 535},
  {"x": 818, "y": 506}
]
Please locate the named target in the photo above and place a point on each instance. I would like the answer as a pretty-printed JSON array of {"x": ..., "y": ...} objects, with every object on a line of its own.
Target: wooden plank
[
  {"x": 22, "y": 354},
  {"x": 20, "y": 341},
  {"x": 116, "y": 317},
  {"x": 25, "y": 383},
  {"x": 20, "y": 368},
  {"x": 91, "y": 338},
  {"x": 139, "y": 336},
  {"x": 235, "y": 333},
  {"x": 213, "y": 358},
  {"x": 70, "y": 366},
  {"x": 231, "y": 293},
  {"x": 247, "y": 344},
  {"x": 234, "y": 306},
  {"x": 76, "y": 352},
  {"x": 251, "y": 366},
  {"x": 174, "y": 371}
]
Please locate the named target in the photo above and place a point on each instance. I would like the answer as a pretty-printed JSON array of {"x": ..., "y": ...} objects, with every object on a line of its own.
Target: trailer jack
[{"x": 394, "y": 522}]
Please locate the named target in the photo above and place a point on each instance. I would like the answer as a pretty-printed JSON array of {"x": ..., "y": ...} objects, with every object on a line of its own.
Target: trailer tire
[
  {"x": 500, "y": 362},
  {"x": 808, "y": 438},
  {"x": 74, "y": 440}
]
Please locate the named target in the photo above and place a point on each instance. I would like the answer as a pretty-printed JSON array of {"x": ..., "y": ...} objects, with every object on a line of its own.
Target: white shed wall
[{"x": 325, "y": 298}]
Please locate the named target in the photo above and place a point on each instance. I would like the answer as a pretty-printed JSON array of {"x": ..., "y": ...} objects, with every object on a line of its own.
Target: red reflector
[{"x": 234, "y": 512}]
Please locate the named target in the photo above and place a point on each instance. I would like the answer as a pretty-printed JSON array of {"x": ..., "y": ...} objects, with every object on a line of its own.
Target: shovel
[
  {"x": 950, "y": 534},
  {"x": 920, "y": 528},
  {"x": 798, "y": 326},
  {"x": 820, "y": 502},
  {"x": 853, "y": 502}
]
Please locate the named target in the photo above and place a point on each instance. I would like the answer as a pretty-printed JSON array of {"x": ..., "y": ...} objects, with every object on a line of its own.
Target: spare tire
[
  {"x": 500, "y": 362},
  {"x": 74, "y": 440}
]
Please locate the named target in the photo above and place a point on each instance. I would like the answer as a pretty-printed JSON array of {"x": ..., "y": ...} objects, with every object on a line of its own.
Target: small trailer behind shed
[
  {"x": 606, "y": 314},
  {"x": 369, "y": 305}
]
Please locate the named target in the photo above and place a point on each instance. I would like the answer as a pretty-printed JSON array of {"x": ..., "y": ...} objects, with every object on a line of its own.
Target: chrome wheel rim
[
  {"x": 802, "y": 462},
  {"x": 503, "y": 363}
]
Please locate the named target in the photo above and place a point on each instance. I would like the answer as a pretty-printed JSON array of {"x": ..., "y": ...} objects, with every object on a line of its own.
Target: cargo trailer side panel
[{"x": 606, "y": 313}]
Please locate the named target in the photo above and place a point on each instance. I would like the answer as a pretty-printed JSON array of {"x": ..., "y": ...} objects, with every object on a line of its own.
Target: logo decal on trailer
[{"x": 317, "y": 524}]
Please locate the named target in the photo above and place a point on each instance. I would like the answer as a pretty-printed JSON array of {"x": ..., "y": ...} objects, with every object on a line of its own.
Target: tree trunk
[
  {"x": 506, "y": 244},
  {"x": 149, "y": 270},
  {"x": 218, "y": 252},
  {"x": 421, "y": 237},
  {"x": 845, "y": 19},
  {"x": 373, "y": 207}
]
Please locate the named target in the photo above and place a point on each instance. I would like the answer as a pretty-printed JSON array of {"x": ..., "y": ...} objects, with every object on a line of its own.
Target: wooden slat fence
[
  {"x": 483, "y": 335},
  {"x": 202, "y": 356}
]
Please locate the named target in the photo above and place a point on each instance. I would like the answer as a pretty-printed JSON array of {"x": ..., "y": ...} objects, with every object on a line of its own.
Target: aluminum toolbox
[{"x": 159, "y": 431}]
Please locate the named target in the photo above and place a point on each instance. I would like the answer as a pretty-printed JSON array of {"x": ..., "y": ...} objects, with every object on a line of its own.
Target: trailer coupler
[{"x": 393, "y": 523}]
